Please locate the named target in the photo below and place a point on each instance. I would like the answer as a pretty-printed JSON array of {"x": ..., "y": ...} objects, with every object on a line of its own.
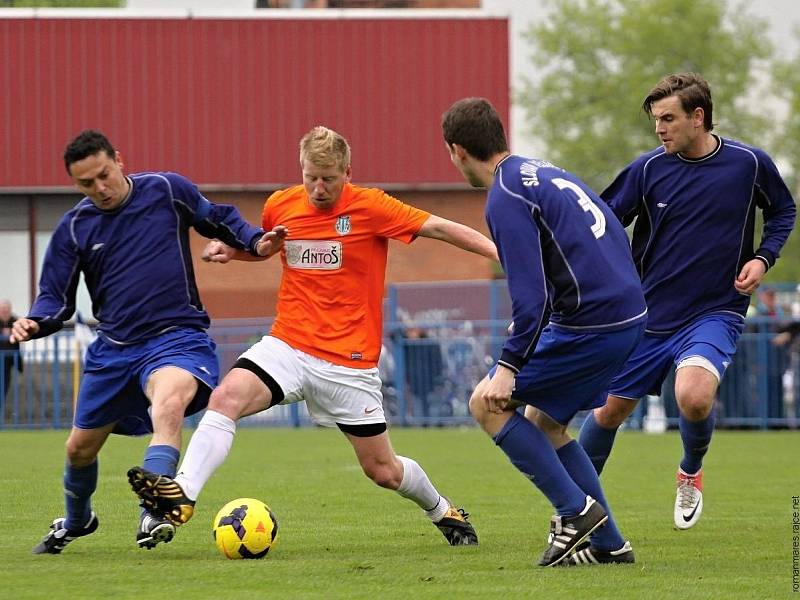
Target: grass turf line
[{"x": 342, "y": 537}]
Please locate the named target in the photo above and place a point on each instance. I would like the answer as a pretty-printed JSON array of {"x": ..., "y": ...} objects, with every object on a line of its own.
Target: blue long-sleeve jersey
[
  {"x": 136, "y": 258},
  {"x": 566, "y": 256},
  {"x": 695, "y": 226}
]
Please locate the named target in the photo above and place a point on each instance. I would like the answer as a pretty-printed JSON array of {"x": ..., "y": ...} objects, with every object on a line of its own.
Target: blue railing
[{"x": 428, "y": 375}]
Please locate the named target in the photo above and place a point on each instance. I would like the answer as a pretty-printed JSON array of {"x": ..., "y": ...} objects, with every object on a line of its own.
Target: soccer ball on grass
[{"x": 245, "y": 528}]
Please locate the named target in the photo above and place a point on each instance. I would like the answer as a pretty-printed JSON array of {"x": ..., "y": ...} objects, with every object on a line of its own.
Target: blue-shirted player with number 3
[
  {"x": 578, "y": 312},
  {"x": 694, "y": 200},
  {"x": 153, "y": 361}
]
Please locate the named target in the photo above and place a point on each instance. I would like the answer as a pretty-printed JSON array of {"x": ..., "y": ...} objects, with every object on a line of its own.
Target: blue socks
[
  {"x": 696, "y": 437},
  {"x": 529, "y": 450},
  {"x": 596, "y": 441},
  {"x": 161, "y": 459},
  {"x": 582, "y": 472},
  {"x": 79, "y": 485}
]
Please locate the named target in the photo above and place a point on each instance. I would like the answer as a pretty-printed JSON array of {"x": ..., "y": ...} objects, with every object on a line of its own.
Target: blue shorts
[
  {"x": 712, "y": 337},
  {"x": 570, "y": 372},
  {"x": 115, "y": 378}
]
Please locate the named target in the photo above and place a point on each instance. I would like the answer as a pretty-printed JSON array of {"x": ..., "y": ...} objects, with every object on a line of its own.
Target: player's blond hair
[{"x": 324, "y": 147}]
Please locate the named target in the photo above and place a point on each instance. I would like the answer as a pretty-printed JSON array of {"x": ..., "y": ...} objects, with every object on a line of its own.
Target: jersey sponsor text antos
[{"x": 314, "y": 254}]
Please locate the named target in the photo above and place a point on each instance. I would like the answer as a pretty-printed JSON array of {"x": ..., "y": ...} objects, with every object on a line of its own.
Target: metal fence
[{"x": 428, "y": 367}]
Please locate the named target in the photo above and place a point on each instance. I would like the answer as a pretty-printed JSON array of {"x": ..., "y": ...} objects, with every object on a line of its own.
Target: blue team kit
[
  {"x": 670, "y": 193},
  {"x": 707, "y": 242},
  {"x": 115, "y": 378},
  {"x": 138, "y": 269},
  {"x": 577, "y": 302}
]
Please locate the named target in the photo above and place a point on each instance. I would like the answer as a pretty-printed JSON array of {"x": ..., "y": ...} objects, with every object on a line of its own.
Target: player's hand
[
  {"x": 498, "y": 394},
  {"x": 750, "y": 276},
  {"x": 272, "y": 241},
  {"x": 217, "y": 252},
  {"x": 22, "y": 330}
]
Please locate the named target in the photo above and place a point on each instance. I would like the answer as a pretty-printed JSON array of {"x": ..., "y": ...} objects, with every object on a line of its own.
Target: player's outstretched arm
[
  {"x": 459, "y": 235},
  {"x": 269, "y": 244}
]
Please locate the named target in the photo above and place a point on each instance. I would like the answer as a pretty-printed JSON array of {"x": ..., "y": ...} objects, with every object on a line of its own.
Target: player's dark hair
[
  {"x": 690, "y": 88},
  {"x": 87, "y": 143},
  {"x": 474, "y": 124}
]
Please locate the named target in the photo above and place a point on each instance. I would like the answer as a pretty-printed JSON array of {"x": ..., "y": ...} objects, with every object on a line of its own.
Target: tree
[
  {"x": 786, "y": 85},
  {"x": 62, "y": 3},
  {"x": 599, "y": 58}
]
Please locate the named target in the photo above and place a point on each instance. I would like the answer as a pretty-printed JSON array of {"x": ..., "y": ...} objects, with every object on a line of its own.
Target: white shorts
[{"x": 333, "y": 393}]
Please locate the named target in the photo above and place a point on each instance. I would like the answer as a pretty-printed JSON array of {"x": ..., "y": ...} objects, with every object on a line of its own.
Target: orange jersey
[{"x": 330, "y": 299}]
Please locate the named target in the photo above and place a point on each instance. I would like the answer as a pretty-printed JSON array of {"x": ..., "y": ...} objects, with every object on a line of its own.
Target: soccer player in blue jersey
[
  {"x": 152, "y": 362},
  {"x": 694, "y": 201},
  {"x": 578, "y": 312}
]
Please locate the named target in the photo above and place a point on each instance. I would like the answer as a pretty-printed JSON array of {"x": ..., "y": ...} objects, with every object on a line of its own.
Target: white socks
[
  {"x": 417, "y": 487},
  {"x": 208, "y": 449}
]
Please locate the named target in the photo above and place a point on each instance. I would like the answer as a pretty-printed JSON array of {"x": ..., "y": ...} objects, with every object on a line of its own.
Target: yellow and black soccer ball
[{"x": 245, "y": 528}]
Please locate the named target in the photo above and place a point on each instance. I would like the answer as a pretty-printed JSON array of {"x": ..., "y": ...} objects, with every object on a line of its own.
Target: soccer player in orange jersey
[{"x": 324, "y": 345}]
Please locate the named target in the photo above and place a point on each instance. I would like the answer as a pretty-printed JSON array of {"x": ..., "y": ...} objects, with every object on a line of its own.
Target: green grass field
[{"x": 342, "y": 537}]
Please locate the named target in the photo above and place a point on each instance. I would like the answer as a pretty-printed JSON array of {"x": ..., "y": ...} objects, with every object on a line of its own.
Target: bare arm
[
  {"x": 459, "y": 235},
  {"x": 269, "y": 244}
]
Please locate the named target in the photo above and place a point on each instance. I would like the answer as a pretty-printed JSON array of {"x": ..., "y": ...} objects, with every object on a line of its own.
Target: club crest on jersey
[{"x": 343, "y": 225}]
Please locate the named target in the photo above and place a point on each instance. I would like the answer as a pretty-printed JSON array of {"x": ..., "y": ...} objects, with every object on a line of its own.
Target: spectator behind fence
[
  {"x": 424, "y": 366},
  {"x": 788, "y": 339},
  {"x": 767, "y": 304},
  {"x": 10, "y": 356}
]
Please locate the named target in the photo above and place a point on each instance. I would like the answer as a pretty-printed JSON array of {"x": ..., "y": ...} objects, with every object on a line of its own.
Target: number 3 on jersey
[{"x": 599, "y": 225}]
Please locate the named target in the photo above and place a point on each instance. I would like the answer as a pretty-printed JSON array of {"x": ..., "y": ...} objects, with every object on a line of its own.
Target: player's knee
[
  {"x": 695, "y": 405},
  {"x": 614, "y": 412},
  {"x": 79, "y": 454},
  {"x": 383, "y": 475},
  {"x": 172, "y": 404},
  {"x": 225, "y": 400}
]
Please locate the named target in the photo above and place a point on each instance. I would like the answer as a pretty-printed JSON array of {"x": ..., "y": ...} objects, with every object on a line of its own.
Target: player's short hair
[
  {"x": 87, "y": 143},
  {"x": 691, "y": 89},
  {"x": 324, "y": 147},
  {"x": 474, "y": 124}
]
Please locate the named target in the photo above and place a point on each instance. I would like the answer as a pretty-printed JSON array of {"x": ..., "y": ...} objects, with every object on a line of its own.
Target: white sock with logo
[
  {"x": 208, "y": 449},
  {"x": 417, "y": 487}
]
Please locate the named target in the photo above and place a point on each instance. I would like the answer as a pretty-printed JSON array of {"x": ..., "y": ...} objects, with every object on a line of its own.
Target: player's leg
[
  {"x": 568, "y": 373},
  {"x": 599, "y": 429},
  {"x": 643, "y": 373},
  {"x": 351, "y": 400},
  {"x": 379, "y": 462},
  {"x": 255, "y": 383},
  {"x": 176, "y": 372},
  {"x": 100, "y": 405},
  {"x": 241, "y": 393},
  {"x": 170, "y": 390},
  {"x": 531, "y": 452},
  {"x": 607, "y": 544},
  {"x": 80, "y": 482},
  {"x": 705, "y": 348},
  {"x": 695, "y": 392}
]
